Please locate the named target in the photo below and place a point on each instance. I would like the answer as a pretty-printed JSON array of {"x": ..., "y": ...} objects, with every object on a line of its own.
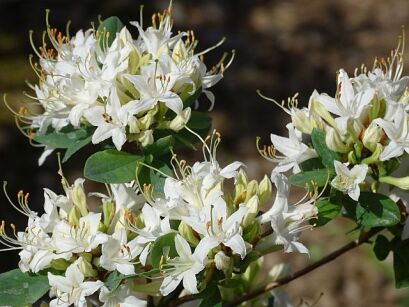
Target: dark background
[{"x": 283, "y": 47}]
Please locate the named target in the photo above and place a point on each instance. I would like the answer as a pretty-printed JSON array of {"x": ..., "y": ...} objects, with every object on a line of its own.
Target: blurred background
[{"x": 283, "y": 47}]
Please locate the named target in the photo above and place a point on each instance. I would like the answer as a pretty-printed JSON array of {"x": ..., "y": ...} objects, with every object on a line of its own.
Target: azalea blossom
[
  {"x": 348, "y": 180},
  {"x": 72, "y": 288},
  {"x": 123, "y": 296},
  {"x": 184, "y": 268},
  {"x": 293, "y": 149}
]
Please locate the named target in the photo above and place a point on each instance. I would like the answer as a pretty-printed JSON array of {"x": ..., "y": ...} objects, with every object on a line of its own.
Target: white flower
[
  {"x": 286, "y": 221},
  {"x": 184, "y": 267},
  {"x": 154, "y": 228},
  {"x": 397, "y": 133},
  {"x": 349, "y": 104},
  {"x": 118, "y": 253},
  {"x": 218, "y": 229},
  {"x": 293, "y": 149},
  {"x": 84, "y": 238},
  {"x": 71, "y": 288},
  {"x": 155, "y": 85},
  {"x": 348, "y": 180},
  {"x": 111, "y": 120},
  {"x": 123, "y": 296}
]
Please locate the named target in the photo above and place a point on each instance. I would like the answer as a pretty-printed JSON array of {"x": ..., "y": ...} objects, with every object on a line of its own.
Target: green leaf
[
  {"x": 303, "y": 179},
  {"x": 211, "y": 296},
  {"x": 401, "y": 264},
  {"x": 381, "y": 247},
  {"x": 327, "y": 211},
  {"x": 242, "y": 265},
  {"x": 109, "y": 27},
  {"x": 327, "y": 156},
  {"x": 111, "y": 166},
  {"x": 75, "y": 147},
  {"x": 65, "y": 137},
  {"x": 373, "y": 210},
  {"x": 20, "y": 289},
  {"x": 199, "y": 121},
  {"x": 161, "y": 146},
  {"x": 312, "y": 164},
  {"x": 164, "y": 245},
  {"x": 115, "y": 278}
]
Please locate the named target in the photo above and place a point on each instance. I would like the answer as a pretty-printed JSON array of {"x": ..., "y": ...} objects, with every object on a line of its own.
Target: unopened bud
[
  {"x": 251, "y": 190},
  {"x": 252, "y": 231},
  {"x": 145, "y": 122},
  {"x": 372, "y": 136},
  {"x": 223, "y": 262},
  {"x": 301, "y": 121},
  {"x": 334, "y": 141},
  {"x": 375, "y": 155},
  {"x": 265, "y": 189},
  {"x": 402, "y": 182},
  {"x": 108, "y": 209},
  {"x": 240, "y": 187},
  {"x": 180, "y": 121},
  {"x": 74, "y": 216},
  {"x": 86, "y": 267},
  {"x": 378, "y": 108},
  {"x": 317, "y": 107},
  {"x": 60, "y": 264},
  {"x": 79, "y": 198},
  {"x": 253, "y": 205},
  {"x": 179, "y": 51},
  {"x": 187, "y": 232},
  {"x": 145, "y": 138}
]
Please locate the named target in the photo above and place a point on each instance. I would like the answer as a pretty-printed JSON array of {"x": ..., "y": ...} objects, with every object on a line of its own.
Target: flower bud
[
  {"x": 378, "y": 108},
  {"x": 146, "y": 121},
  {"x": 265, "y": 189},
  {"x": 86, "y": 267},
  {"x": 253, "y": 205},
  {"x": 317, "y": 107},
  {"x": 352, "y": 158},
  {"x": 402, "y": 182},
  {"x": 74, "y": 216},
  {"x": 187, "y": 232},
  {"x": 180, "y": 121},
  {"x": 179, "y": 51},
  {"x": 78, "y": 197},
  {"x": 240, "y": 187},
  {"x": 60, "y": 264},
  {"x": 145, "y": 138},
  {"x": 251, "y": 189},
  {"x": 372, "y": 136},
  {"x": 133, "y": 125},
  {"x": 108, "y": 209},
  {"x": 252, "y": 231},
  {"x": 301, "y": 121},
  {"x": 375, "y": 155},
  {"x": 223, "y": 262},
  {"x": 334, "y": 142}
]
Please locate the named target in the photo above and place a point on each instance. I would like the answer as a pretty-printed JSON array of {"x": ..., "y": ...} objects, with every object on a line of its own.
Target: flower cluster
[
  {"x": 180, "y": 234},
  {"x": 366, "y": 123},
  {"x": 124, "y": 87}
]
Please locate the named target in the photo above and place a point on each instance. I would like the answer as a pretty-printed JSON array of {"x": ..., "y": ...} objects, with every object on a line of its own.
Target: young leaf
[
  {"x": 161, "y": 146},
  {"x": 163, "y": 246},
  {"x": 401, "y": 264},
  {"x": 327, "y": 156},
  {"x": 20, "y": 289},
  {"x": 320, "y": 177},
  {"x": 111, "y": 166},
  {"x": 109, "y": 27},
  {"x": 375, "y": 210},
  {"x": 312, "y": 164}
]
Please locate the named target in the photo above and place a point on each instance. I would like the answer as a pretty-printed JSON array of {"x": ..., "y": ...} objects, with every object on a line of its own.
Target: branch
[{"x": 285, "y": 280}]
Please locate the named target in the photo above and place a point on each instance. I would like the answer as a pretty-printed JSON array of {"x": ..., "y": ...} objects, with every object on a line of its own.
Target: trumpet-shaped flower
[
  {"x": 397, "y": 132},
  {"x": 218, "y": 228},
  {"x": 123, "y": 296},
  {"x": 118, "y": 253},
  {"x": 71, "y": 288},
  {"x": 286, "y": 221},
  {"x": 84, "y": 238},
  {"x": 348, "y": 180},
  {"x": 293, "y": 149},
  {"x": 184, "y": 268}
]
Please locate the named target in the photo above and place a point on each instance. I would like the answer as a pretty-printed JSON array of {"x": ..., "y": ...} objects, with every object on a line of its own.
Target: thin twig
[{"x": 285, "y": 280}]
